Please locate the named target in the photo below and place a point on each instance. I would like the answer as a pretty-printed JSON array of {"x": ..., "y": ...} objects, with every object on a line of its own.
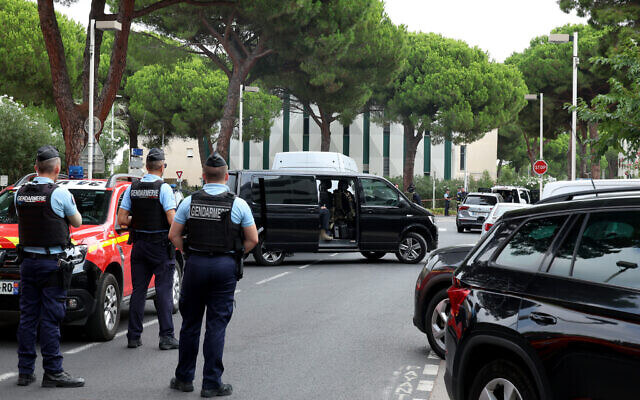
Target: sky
[{"x": 499, "y": 27}]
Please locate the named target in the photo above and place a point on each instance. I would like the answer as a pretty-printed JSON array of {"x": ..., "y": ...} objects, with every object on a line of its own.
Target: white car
[
  {"x": 513, "y": 194},
  {"x": 497, "y": 212},
  {"x": 563, "y": 187}
]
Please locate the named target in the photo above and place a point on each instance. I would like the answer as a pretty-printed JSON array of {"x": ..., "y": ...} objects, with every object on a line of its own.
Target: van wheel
[
  {"x": 373, "y": 255},
  {"x": 502, "y": 379},
  {"x": 268, "y": 257},
  {"x": 103, "y": 323},
  {"x": 412, "y": 248}
]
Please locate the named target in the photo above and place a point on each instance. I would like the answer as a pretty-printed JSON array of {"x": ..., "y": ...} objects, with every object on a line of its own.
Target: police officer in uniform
[
  {"x": 219, "y": 227},
  {"x": 44, "y": 214},
  {"x": 148, "y": 207}
]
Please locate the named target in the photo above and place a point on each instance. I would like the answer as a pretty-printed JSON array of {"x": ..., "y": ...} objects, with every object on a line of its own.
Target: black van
[{"x": 369, "y": 215}]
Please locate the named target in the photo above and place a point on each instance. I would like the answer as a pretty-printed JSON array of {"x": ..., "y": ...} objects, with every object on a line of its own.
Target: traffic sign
[
  {"x": 4, "y": 180},
  {"x": 98, "y": 158},
  {"x": 540, "y": 167},
  {"x": 179, "y": 173},
  {"x": 97, "y": 125}
]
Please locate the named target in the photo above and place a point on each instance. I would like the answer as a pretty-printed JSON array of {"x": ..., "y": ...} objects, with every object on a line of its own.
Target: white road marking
[
  {"x": 425, "y": 386},
  {"x": 7, "y": 376},
  {"x": 434, "y": 357},
  {"x": 334, "y": 254},
  {"x": 442, "y": 229},
  {"x": 273, "y": 277},
  {"x": 237, "y": 291},
  {"x": 430, "y": 369},
  {"x": 305, "y": 266},
  {"x": 81, "y": 348}
]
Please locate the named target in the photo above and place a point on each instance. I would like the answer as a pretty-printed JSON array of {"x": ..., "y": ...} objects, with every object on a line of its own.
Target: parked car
[
  {"x": 547, "y": 306},
  {"x": 557, "y": 188},
  {"x": 497, "y": 212},
  {"x": 475, "y": 208},
  {"x": 101, "y": 281},
  {"x": 369, "y": 215},
  {"x": 513, "y": 194},
  {"x": 431, "y": 302}
]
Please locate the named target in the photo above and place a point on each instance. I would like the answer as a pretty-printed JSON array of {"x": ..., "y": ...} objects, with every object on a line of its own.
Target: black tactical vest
[
  {"x": 147, "y": 213},
  {"x": 209, "y": 227},
  {"x": 38, "y": 224}
]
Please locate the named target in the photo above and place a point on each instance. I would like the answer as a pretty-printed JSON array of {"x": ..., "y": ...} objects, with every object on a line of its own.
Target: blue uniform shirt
[
  {"x": 63, "y": 205},
  {"x": 240, "y": 211},
  {"x": 166, "y": 197}
]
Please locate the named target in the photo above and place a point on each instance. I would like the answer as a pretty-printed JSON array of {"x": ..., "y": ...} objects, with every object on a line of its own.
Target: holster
[
  {"x": 19, "y": 254},
  {"x": 239, "y": 256},
  {"x": 65, "y": 271},
  {"x": 132, "y": 234},
  {"x": 171, "y": 250}
]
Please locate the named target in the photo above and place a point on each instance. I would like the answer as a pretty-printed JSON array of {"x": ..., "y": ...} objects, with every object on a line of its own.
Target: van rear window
[
  {"x": 481, "y": 200},
  {"x": 286, "y": 190}
]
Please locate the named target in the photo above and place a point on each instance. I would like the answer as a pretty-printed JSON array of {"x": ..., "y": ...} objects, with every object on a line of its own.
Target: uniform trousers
[
  {"x": 42, "y": 307},
  {"x": 209, "y": 282},
  {"x": 149, "y": 259}
]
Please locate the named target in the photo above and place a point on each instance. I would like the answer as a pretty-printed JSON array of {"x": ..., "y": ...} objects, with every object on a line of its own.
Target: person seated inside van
[
  {"x": 344, "y": 206},
  {"x": 326, "y": 204}
]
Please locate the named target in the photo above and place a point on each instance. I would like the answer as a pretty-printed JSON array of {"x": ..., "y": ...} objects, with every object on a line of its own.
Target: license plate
[{"x": 9, "y": 287}]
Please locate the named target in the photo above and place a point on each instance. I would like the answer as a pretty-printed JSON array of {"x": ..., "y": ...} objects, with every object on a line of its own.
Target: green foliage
[
  {"x": 24, "y": 64},
  {"x": 351, "y": 48},
  {"x": 22, "y": 132},
  {"x": 447, "y": 86}
]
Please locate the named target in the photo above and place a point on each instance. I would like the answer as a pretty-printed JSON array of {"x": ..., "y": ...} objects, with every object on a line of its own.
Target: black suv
[
  {"x": 547, "y": 306},
  {"x": 368, "y": 215}
]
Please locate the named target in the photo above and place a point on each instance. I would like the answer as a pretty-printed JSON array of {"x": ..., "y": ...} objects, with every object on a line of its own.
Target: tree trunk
[
  {"x": 325, "y": 130},
  {"x": 133, "y": 126},
  {"x": 412, "y": 140},
  {"x": 499, "y": 170},
  {"x": 582, "y": 151},
  {"x": 595, "y": 159},
  {"x": 612, "y": 166},
  {"x": 532, "y": 157},
  {"x": 202, "y": 147},
  {"x": 228, "y": 121}
]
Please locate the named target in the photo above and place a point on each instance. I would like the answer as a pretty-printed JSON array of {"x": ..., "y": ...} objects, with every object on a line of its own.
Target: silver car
[{"x": 475, "y": 209}]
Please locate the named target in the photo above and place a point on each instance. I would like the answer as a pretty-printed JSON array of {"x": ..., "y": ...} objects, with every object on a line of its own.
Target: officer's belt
[
  {"x": 210, "y": 253},
  {"x": 38, "y": 256},
  {"x": 156, "y": 237}
]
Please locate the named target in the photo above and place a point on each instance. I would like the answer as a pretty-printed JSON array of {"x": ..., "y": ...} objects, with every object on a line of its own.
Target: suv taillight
[
  {"x": 457, "y": 294},
  {"x": 461, "y": 208},
  {"x": 487, "y": 227}
]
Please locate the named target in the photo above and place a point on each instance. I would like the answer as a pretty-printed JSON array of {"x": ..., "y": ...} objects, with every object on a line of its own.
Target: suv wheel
[
  {"x": 460, "y": 229},
  {"x": 412, "y": 248},
  {"x": 373, "y": 255},
  {"x": 435, "y": 321},
  {"x": 103, "y": 323},
  {"x": 267, "y": 257},
  {"x": 502, "y": 379}
]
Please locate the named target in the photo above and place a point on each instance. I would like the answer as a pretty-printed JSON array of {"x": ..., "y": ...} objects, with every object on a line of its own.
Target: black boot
[
  {"x": 26, "y": 379},
  {"x": 168, "y": 343},
  {"x": 133, "y": 343},
  {"x": 61, "y": 379},
  {"x": 224, "y": 390},
  {"x": 177, "y": 384}
]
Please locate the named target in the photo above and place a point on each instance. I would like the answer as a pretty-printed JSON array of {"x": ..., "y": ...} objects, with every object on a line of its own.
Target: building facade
[{"x": 377, "y": 149}]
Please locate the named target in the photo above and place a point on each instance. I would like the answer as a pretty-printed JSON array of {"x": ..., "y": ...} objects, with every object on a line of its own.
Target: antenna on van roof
[{"x": 594, "y": 186}]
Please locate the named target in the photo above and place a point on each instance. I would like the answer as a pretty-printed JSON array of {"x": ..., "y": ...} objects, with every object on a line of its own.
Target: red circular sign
[{"x": 540, "y": 167}]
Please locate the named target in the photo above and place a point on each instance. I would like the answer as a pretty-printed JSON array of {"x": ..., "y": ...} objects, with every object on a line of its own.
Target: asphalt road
[{"x": 320, "y": 326}]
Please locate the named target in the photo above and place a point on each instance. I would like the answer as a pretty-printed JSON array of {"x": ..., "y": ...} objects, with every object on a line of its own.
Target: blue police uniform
[
  {"x": 150, "y": 257},
  {"x": 209, "y": 281},
  {"x": 42, "y": 305}
]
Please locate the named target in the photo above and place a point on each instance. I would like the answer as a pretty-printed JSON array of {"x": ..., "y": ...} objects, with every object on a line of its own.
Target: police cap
[
  {"x": 155, "y": 154},
  {"x": 46, "y": 153},
  {"x": 215, "y": 160}
]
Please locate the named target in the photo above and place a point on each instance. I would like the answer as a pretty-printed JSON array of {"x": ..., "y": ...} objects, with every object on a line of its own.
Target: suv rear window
[
  {"x": 609, "y": 250},
  {"x": 480, "y": 200},
  {"x": 286, "y": 190},
  {"x": 530, "y": 243}
]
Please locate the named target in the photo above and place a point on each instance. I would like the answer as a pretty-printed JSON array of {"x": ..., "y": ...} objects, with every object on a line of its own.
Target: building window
[
  {"x": 386, "y": 142},
  {"x": 189, "y": 152},
  {"x": 463, "y": 157}
]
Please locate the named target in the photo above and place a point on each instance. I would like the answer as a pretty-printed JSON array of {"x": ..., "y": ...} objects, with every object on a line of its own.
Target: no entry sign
[{"x": 540, "y": 167}]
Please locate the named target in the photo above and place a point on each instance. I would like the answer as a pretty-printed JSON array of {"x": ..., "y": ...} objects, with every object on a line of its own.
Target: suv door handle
[
  {"x": 543, "y": 319},
  {"x": 312, "y": 209},
  {"x": 369, "y": 211}
]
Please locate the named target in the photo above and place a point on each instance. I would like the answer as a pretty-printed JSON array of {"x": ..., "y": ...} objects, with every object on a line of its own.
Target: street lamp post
[
  {"x": 104, "y": 26},
  {"x": 566, "y": 38},
  {"x": 243, "y": 89}
]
